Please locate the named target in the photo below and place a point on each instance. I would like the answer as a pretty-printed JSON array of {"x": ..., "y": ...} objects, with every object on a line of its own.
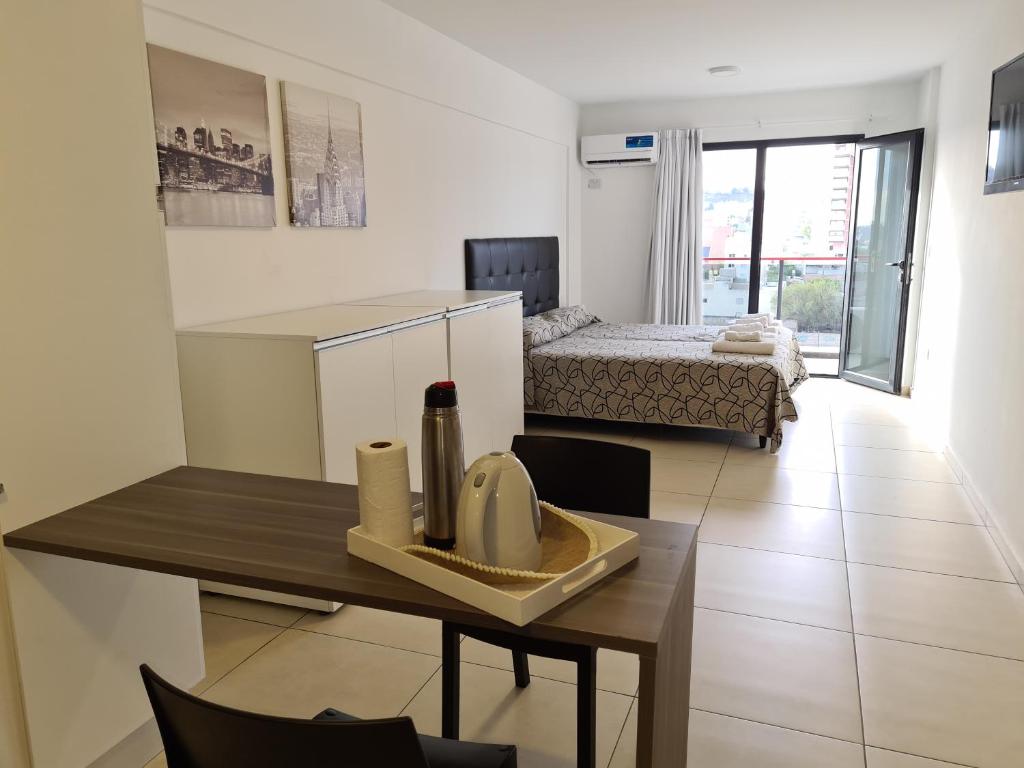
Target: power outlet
[{"x": 593, "y": 183}]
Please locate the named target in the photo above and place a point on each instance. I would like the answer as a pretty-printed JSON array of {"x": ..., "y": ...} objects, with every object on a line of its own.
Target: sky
[
  {"x": 187, "y": 89},
  {"x": 798, "y": 188}
]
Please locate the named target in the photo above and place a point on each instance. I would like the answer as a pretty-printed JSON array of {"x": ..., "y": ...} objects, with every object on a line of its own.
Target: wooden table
[{"x": 288, "y": 535}]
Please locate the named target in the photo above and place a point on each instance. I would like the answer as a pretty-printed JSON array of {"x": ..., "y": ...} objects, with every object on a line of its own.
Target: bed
[{"x": 575, "y": 365}]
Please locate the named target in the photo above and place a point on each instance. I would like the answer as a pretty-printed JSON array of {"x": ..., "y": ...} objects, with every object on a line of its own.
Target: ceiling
[{"x": 611, "y": 50}]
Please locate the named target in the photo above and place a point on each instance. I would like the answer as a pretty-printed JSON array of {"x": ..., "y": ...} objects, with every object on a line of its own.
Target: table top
[{"x": 289, "y": 535}]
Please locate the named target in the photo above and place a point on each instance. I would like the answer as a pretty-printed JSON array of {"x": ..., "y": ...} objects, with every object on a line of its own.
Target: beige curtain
[{"x": 674, "y": 282}]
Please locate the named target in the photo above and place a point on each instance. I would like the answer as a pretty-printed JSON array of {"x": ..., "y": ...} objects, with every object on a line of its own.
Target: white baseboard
[
  {"x": 1015, "y": 565},
  {"x": 134, "y": 751},
  {"x": 138, "y": 747}
]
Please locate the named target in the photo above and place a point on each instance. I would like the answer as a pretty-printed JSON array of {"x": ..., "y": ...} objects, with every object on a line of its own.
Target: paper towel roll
[{"x": 385, "y": 504}]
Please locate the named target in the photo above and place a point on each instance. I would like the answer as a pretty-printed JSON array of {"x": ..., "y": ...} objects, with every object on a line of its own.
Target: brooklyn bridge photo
[{"x": 212, "y": 141}]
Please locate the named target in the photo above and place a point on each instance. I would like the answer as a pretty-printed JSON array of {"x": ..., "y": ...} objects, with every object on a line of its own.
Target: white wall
[
  {"x": 13, "y": 737},
  {"x": 455, "y": 146},
  {"x": 616, "y": 218},
  {"x": 970, "y": 359},
  {"x": 88, "y": 389}
]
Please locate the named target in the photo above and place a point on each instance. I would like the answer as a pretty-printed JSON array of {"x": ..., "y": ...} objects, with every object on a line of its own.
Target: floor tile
[
  {"x": 800, "y": 450},
  {"x": 160, "y": 761},
  {"x": 946, "y": 705},
  {"x": 882, "y": 436},
  {"x": 683, "y": 443},
  {"x": 883, "y": 462},
  {"x": 227, "y": 642},
  {"x": 300, "y": 674},
  {"x": 616, "y": 432},
  {"x": 923, "y": 545},
  {"x": 716, "y": 741},
  {"x": 253, "y": 610},
  {"x": 775, "y": 527},
  {"x": 907, "y": 498},
  {"x": 616, "y": 672},
  {"x": 409, "y": 633},
  {"x": 883, "y": 758},
  {"x": 678, "y": 507},
  {"x": 540, "y": 719},
  {"x": 780, "y": 486},
  {"x": 679, "y": 476},
  {"x": 948, "y": 611},
  {"x": 807, "y": 590},
  {"x": 878, "y": 412},
  {"x": 624, "y": 755},
  {"x": 777, "y": 673}
]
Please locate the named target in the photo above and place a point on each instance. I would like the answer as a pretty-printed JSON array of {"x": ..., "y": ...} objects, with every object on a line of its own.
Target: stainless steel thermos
[{"x": 444, "y": 465}]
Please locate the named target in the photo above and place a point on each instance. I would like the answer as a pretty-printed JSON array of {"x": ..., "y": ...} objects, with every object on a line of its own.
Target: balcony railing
[{"x": 814, "y": 343}]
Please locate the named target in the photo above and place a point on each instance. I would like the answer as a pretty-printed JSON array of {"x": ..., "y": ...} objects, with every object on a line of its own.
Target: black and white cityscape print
[
  {"x": 324, "y": 158},
  {"x": 212, "y": 142}
]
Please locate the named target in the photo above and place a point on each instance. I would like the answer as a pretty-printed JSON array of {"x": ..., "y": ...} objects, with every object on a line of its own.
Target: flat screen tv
[{"x": 1005, "y": 168}]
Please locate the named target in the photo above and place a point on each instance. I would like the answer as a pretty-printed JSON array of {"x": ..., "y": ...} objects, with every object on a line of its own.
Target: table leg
[
  {"x": 586, "y": 708},
  {"x": 664, "y": 696},
  {"x": 450, "y": 681}
]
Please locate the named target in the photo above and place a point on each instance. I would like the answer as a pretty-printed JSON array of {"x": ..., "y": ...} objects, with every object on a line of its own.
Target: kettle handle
[{"x": 475, "y": 513}]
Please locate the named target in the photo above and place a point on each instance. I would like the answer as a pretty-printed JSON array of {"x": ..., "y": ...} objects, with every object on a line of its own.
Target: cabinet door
[
  {"x": 487, "y": 365},
  {"x": 506, "y": 328},
  {"x": 357, "y": 401},
  {"x": 421, "y": 357},
  {"x": 470, "y": 366}
]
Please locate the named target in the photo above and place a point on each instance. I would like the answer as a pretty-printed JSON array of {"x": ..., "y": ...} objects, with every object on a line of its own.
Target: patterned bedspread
[{"x": 664, "y": 374}]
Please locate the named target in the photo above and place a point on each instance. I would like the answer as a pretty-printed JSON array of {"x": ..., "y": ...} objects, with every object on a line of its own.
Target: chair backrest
[
  {"x": 200, "y": 734},
  {"x": 588, "y": 475}
]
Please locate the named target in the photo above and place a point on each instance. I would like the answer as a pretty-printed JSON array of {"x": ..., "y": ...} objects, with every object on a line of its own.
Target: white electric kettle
[{"x": 499, "y": 518}]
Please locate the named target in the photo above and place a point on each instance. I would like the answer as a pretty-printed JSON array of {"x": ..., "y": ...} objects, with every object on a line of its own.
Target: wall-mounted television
[{"x": 1005, "y": 169}]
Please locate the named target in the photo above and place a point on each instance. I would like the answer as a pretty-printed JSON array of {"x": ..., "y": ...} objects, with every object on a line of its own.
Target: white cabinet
[
  {"x": 486, "y": 355},
  {"x": 292, "y": 394},
  {"x": 356, "y": 386},
  {"x": 421, "y": 357}
]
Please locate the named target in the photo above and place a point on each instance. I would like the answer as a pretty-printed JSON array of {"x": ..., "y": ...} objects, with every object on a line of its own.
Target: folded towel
[
  {"x": 744, "y": 347},
  {"x": 766, "y": 332},
  {"x": 745, "y": 327},
  {"x": 756, "y": 316},
  {"x": 743, "y": 336}
]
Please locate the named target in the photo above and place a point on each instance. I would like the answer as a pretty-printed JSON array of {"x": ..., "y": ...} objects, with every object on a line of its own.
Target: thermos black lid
[{"x": 441, "y": 394}]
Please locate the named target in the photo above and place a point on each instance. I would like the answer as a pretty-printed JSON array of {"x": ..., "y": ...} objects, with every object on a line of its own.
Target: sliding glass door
[
  {"x": 776, "y": 227},
  {"x": 888, "y": 177}
]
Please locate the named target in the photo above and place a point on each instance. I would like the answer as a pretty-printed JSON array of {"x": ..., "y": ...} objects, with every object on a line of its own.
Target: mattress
[{"x": 664, "y": 374}]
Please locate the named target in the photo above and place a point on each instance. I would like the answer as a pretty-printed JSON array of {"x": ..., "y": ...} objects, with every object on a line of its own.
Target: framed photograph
[
  {"x": 212, "y": 142},
  {"x": 323, "y": 140}
]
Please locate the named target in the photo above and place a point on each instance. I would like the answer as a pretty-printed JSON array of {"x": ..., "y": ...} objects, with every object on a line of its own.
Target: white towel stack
[
  {"x": 744, "y": 327},
  {"x": 744, "y": 336},
  {"x": 756, "y": 336},
  {"x": 748, "y": 328},
  {"x": 758, "y": 317},
  {"x": 764, "y": 347}
]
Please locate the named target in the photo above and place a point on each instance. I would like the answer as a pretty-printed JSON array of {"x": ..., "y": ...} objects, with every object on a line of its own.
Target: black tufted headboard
[{"x": 527, "y": 264}]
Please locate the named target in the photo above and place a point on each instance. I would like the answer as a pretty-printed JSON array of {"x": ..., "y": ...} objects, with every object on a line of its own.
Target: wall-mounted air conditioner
[{"x": 620, "y": 149}]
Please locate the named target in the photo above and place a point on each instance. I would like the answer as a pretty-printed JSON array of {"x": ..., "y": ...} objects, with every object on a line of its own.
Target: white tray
[{"x": 518, "y": 604}]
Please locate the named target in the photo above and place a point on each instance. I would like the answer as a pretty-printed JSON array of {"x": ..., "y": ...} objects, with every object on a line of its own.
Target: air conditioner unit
[{"x": 620, "y": 149}]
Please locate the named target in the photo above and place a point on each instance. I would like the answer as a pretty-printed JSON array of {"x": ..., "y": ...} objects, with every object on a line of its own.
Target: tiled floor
[{"x": 848, "y": 595}]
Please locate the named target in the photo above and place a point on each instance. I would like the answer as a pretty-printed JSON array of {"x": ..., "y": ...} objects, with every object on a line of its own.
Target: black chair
[
  {"x": 200, "y": 734},
  {"x": 585, "y": 475}
]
